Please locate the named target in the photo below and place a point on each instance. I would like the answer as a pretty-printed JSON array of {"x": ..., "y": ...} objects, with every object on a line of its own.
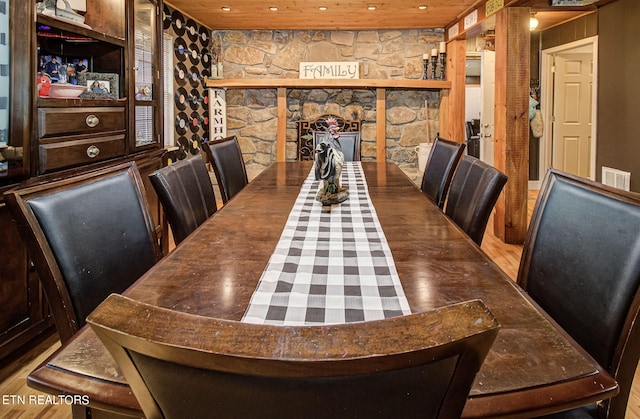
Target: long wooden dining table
[{"x": 533, "y": 367}]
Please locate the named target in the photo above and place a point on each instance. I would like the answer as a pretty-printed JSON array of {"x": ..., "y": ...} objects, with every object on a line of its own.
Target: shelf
[
  {"x": 69, "y": 27},
  {"x": 50, "y": 102},
  {"x": 282, "y": 84},
  {"x": 327, "y": 84}
]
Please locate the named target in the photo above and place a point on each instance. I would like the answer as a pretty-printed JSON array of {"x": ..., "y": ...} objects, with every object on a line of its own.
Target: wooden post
[
  {"x": 281, "y": 136},
  {"x": 381, "y": 124},
  {"x": 511, "y": 134},
  {"x": 452, "y": 103}
]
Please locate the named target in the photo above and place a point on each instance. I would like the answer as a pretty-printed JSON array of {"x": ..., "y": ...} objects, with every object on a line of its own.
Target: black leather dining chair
[
  {"x": 472, "y": 141},
  {"x": 228, "y": 164},
  {"x": 581, "y": 264},
  {"x": 349, "y": 142},
  {"x": 475, "y": 188},
  {"x": 441, "y": 165},
  {"x": 185, "y": 191},
  {"x": 182, "y": 365},
  {"x": 88, "y": 236}
]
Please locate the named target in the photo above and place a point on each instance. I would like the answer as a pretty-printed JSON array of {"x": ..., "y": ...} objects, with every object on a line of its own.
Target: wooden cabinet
[
  {"x": 74, "y": 132},
  {"x": 60, "y": 122},
  {"x": 44, "y": 136},
  {"x": 146, "y": 79},
  {"x": 16, "y": 90},
  {"x": 23, "y": 311},
  {"x": 69, "y": 137}
]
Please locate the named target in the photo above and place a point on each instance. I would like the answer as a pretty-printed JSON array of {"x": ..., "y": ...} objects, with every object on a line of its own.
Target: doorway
[
  {"x": 487, "y": 88},
  {"x": 568, "y": 106},
  {"x": 480, "y": 103}
]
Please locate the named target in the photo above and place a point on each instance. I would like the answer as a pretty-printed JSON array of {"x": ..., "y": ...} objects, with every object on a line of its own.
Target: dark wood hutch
[{"x": 46, "y": 138}]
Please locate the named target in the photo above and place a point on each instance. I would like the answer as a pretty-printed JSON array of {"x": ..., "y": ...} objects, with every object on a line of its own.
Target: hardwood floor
[
  {"x": 18, "y": 400},
  {"x": 13, "y": 376}
]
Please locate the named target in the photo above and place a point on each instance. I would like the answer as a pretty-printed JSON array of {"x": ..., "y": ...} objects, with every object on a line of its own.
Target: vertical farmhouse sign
[
  {"x": 217, "y": 114},
  {"x": 330, "y": 70}
]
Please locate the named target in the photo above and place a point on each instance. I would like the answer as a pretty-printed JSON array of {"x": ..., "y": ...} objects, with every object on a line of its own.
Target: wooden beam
[
  {"x": 453, "y": 115},
  {"x": 476, "y": 26},
  {"x": 511, "y": 133},
  {"x": 462, "y": 29},
  {"x": 381, "y": 124},
  {"x": 273, "y": 83},
  {"x": 281, "y": 138}
]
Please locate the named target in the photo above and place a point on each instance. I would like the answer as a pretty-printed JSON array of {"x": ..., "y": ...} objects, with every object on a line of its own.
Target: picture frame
[
  {"x": 51, "y": 65},
  {"x": 144, "y": 91},
  {"x": 65, "y": 68},
  {"x": 75, "y": 66},
  {"x": 99, "y": 85}
]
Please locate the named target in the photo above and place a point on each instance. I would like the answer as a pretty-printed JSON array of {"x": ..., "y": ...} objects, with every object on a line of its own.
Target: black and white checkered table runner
[{"x": 330, "y": 266}]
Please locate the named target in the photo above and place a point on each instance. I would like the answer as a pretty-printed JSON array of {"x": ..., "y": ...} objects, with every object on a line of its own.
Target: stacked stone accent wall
[{"x": 412, "y": 115}]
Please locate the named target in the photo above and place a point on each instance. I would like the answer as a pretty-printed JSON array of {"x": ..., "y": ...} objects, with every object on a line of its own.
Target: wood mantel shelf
[
  {"x": 381, "y": 86},
  {"x": 255, "y": 83}
]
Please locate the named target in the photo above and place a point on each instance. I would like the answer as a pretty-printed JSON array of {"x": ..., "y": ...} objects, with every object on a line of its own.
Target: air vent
[{"x": 616, "y": 178}]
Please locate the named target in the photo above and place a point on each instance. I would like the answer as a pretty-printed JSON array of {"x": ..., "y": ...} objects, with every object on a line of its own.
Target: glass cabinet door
[
  {"x": 146, "y": 74},
  {"x": 5, "y": 83},
  {"x": 15, "y": 100}
]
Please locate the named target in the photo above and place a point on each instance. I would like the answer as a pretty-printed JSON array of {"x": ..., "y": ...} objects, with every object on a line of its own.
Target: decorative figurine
[
  {"x": 328, "y": 166},
  {"x": 51, "y": 8},
  {"x": 43, "y": 84}
]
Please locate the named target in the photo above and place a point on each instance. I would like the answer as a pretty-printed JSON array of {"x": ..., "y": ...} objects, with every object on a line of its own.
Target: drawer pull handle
[
  {"x": 93, "y": 151},
  {"x": 92, "y": 121}
]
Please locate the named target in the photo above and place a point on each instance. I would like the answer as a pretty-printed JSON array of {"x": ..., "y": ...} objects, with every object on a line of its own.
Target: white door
[
  {"x": 488, "y": 88},
  {"x": 571, "y": 147}
]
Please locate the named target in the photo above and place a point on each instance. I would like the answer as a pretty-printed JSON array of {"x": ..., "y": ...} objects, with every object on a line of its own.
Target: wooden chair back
[
  {"x": 88, "y": 236},
  {"x": 182, "y": 365}
]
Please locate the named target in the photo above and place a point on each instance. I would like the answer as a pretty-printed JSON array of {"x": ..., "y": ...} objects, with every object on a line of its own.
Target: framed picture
[
  {"x": 63, "y": 69},
  {"x": 75, "y": 66},
  {"x": 144, "y": 91},
  {"x": 51, "y": 65},
  {"x": 99, "y": 85}
]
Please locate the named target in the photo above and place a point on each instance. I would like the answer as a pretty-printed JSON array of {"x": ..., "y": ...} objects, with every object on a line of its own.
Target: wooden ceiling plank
[{"x": 345, "y": 15}]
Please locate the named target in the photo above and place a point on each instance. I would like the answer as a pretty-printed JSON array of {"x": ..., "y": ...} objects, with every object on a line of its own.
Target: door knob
[
  {"x": 92, "y": 121},
  {"x": 93, "y": 151}
]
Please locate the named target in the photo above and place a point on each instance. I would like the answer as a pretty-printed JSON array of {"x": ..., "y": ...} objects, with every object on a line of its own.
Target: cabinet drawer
[
  {"x": 55, "y": 122},
  {"x": 59, "y": 155}
]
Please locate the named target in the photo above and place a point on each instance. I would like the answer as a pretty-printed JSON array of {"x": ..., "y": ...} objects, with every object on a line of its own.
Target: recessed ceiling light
[
  {"x": 323, "y": 8},
  {"x": 273, "y": 9},
  {"x": 226, "y": 9},
  {"x": 371, "y": 7},
  {"x": 422, "y": 7}
]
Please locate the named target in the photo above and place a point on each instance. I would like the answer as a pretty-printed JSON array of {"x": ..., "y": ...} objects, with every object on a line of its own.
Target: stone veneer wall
[{"x": 412, "y": 115}]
